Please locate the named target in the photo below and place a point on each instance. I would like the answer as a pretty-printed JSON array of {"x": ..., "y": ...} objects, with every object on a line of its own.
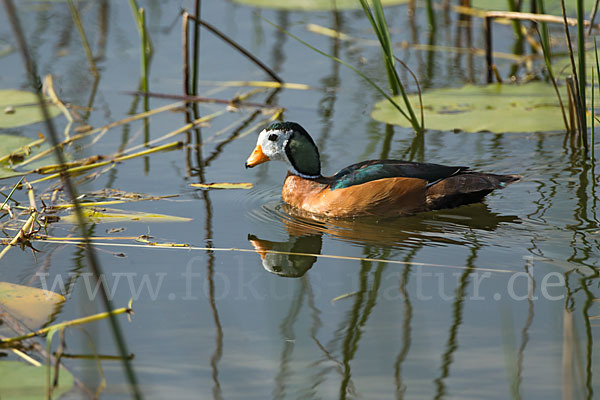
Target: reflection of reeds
[
  {"x": 457, "y": 320},
  {"x": 430, "y": 15},
  {"x": 84, "y": 41},
  {"x": 406, "y": 325}
]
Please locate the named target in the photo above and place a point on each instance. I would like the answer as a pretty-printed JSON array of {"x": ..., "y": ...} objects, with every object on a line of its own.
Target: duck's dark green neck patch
[{"x": 302, "y": 152}]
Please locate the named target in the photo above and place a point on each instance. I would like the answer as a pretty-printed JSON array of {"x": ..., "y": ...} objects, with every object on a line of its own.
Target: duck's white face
[
  {"x": 269, "y": 146},
  {"x": 288, "y": 142}
]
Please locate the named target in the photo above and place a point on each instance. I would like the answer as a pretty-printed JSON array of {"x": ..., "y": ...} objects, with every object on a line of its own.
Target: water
[{"x": 492, "y": 300}]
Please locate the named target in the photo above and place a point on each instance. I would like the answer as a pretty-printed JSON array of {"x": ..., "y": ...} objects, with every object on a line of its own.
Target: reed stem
[
  {"x": 545, "y": 38},
  {"x": 196, "y": 53},
  {"x": 592, "y": 139},
  {"x": 380, "y": 27},
  {"x": 546, "y": 52},
  {"x": 582, "y": 73},
  {"x": 512, "y": 6}
]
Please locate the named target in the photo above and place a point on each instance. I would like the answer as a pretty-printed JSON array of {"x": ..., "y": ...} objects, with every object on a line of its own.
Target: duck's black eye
[{"x": 273, "y": 137}]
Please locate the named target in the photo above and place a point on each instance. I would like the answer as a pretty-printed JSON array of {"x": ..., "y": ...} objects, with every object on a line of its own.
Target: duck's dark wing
[{"x": 371, "y": 170}]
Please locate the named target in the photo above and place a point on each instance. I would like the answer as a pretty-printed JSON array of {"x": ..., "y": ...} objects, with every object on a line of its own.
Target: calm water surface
[{"x": 494, "y": 300}]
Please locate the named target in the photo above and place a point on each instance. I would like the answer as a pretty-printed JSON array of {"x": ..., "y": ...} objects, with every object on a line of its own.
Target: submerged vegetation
[{"x": 60, "y": 158}]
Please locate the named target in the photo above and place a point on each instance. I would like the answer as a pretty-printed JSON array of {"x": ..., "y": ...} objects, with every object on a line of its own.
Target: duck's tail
[{"x": 465, "y": 188}]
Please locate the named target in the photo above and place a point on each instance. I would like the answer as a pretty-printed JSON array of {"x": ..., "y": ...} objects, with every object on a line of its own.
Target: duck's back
[{"x": 372, "y": 170}]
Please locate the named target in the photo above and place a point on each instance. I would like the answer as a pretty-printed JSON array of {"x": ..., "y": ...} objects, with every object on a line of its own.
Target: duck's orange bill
[{"x": 257, "y": 157}]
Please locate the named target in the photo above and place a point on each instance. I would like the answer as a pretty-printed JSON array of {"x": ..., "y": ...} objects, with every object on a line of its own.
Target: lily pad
[
  {"x": 497, "y": 108},
  {"x": 31, "y": 306},
  {"x": 313, "y": 5},
  {"x": 108, "y": 215},
  {"x": 551, "y": 6},
  {"x": 20, "y": 381},
  {"x": 18, "y": 108}
]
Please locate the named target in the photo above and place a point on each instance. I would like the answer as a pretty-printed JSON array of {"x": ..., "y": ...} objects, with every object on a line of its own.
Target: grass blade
[
  {"x": 381, "y": 30},
  {"x": 541, "y": 9},
  {"x": 11, "y": 193}
]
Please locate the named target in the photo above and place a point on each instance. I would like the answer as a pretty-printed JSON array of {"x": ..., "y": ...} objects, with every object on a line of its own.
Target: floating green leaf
[
  {"x": 31, "y": 306},
  {"x": 18, "y": 108},
  {"x": 223, "y": 185},
  {"x": 313, "y": 5},
  {"x": 497, "y": 108},
  {"x": 20, "y": 381},
  {"x": 107, "y": 215}
]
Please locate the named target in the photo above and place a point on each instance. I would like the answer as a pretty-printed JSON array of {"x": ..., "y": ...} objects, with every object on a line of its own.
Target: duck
[{"x": 379, "y": 188}]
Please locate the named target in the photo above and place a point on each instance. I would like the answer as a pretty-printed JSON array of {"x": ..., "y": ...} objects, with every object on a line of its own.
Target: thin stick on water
[{"x": 75, "y": 322}]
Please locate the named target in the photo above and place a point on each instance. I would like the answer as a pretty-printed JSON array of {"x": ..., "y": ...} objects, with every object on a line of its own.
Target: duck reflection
[
  {"x": 292, "y": 258},
  {"x": 289, "y": 259}
]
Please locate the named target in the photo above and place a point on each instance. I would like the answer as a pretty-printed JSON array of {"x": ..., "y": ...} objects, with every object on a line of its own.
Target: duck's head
[{"x": 288, "y": 142}]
